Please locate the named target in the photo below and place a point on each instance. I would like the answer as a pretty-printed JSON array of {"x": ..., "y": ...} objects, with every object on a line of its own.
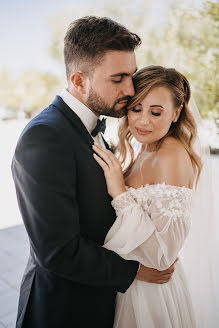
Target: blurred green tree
[
  {"x": 8, "y": 98},
  {"x": 189, "y": 42},
  {"x": 27, "y": 93}
]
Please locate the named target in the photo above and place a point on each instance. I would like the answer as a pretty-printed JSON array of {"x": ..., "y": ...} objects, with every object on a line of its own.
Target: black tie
[{"x": 100, "y": 127}]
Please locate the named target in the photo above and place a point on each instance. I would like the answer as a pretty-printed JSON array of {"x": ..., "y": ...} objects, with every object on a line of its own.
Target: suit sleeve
[{"x": 47, "y": 199}]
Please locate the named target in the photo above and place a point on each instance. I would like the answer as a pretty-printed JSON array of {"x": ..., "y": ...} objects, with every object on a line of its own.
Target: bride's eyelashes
[
  {"x": 155, "y": 114},
  {"x": 137, "y": 110},
  {"x": 117, "y": 81}
]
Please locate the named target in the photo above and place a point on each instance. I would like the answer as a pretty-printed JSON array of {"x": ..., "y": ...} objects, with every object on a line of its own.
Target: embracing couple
[{"x": 104, "y": 241}]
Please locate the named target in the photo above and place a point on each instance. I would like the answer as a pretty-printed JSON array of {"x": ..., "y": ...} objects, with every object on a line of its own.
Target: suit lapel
[
  {"x": 73, "y": 118},
  {"x": 105, "y": 143}
]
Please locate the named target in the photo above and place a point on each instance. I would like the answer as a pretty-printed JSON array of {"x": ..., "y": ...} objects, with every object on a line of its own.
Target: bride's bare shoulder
[
  {"x": 172, "y": 164},
  {"x": 173, "y": 145}
]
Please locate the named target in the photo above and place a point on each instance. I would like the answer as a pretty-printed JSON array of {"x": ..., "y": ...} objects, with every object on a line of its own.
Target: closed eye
[
  {"x": 136, "y": 110},
  {"x": 117, "y": 81},
  {"x": 155, "y": 114}
]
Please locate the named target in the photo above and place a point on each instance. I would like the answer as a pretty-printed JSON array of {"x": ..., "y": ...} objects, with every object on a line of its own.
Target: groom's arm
[
  {"x": 155, "y": 276},
  {"x": 47, "y": 200}
]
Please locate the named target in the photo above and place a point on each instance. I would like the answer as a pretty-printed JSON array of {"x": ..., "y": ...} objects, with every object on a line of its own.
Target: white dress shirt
[{"x": 87, "y": 117}]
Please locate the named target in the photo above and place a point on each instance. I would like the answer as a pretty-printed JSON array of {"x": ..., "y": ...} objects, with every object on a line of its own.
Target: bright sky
[{"x": 24, "y": 30}]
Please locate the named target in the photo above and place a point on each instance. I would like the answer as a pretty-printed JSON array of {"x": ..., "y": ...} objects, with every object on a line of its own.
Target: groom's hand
[{"x": 154, "y": 276}]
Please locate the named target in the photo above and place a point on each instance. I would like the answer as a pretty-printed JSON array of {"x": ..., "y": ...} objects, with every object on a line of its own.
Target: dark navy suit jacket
[{"x": 70, "y": 280}]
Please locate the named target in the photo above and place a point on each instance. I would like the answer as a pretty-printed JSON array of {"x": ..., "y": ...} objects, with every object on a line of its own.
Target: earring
[{"x": 175, "y": 121}]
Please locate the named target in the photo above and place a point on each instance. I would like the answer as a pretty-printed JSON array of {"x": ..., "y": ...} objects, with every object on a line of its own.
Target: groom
[{"x": 70, "y": 279}]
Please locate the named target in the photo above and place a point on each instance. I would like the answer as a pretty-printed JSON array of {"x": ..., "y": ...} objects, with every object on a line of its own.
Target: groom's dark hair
[{"x": 90, "y": 37}]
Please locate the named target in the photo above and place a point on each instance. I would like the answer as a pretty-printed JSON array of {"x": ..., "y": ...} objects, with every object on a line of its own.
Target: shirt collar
[{"x": 88, "y": 118}]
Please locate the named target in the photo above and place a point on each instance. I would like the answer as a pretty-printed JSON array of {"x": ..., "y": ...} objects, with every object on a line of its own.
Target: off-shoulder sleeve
[{"x": 152, "y": 224}]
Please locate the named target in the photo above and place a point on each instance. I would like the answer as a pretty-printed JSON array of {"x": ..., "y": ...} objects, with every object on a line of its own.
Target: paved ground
[
  {"x": 13, "y": 257},
  {"x": 13, "y": 239},
  {"x": 14, "y": 246}
]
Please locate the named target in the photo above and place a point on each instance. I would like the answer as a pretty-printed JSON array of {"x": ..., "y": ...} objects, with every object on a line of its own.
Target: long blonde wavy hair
[{"x": 184, "y": 130}]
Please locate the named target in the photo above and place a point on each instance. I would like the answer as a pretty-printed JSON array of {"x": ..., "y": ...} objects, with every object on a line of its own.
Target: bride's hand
[{"x": 112, "y": 170}]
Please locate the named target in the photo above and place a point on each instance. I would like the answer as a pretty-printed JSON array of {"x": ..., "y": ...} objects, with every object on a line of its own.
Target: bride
[{"x": 153, "y": 197}]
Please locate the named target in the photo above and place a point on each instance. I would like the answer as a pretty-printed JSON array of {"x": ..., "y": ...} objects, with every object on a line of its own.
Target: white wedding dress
[{"x": 151, "y": 226}]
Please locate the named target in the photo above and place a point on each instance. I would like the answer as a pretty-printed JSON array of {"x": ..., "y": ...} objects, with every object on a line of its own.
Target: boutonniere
[{"x": 112, "y": 146}]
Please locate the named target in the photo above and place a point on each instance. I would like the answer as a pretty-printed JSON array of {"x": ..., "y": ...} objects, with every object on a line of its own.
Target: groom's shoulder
[
  {"x": 49, "y": 117},
  {"x": 48, "y": 123}
]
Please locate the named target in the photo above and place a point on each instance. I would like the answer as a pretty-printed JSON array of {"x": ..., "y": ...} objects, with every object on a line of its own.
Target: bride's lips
[{"x": 143, "y": 132}]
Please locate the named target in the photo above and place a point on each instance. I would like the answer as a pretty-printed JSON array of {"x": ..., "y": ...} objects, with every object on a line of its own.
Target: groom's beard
[{"x": 97, "y": 105}]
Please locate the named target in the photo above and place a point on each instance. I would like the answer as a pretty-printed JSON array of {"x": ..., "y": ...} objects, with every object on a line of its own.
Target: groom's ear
[{"x": 79, "y": 82}]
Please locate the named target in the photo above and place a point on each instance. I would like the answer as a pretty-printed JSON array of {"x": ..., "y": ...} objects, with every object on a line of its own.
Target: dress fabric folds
[{"x": 152, "y": 224}]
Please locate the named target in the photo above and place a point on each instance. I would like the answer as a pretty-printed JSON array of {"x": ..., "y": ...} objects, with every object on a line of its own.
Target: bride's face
[{"x": 150, "y": 120}]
